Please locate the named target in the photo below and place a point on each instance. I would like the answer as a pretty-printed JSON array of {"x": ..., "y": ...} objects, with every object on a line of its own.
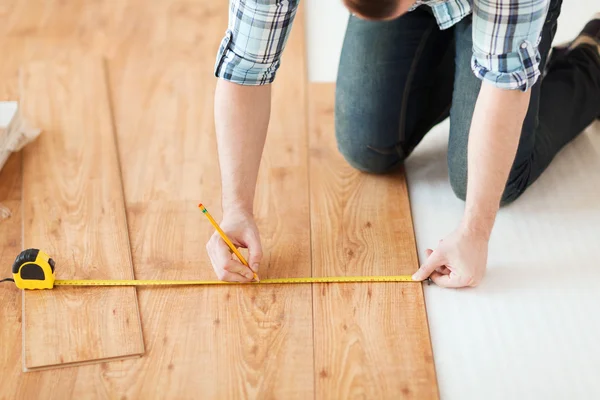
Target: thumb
[
  {"x": 255, "y": 253},
  {"x": 434, "y": 261}
]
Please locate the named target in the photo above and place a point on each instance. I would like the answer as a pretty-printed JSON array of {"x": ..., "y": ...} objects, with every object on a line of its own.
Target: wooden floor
[{"x": 317, "y": 217}]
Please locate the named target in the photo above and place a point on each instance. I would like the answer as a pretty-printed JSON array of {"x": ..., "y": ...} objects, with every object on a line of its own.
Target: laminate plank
[
  {"x": 73, "y": 209},
  {"x": 161, "y": 40},
  {"x": 10, "y": 246},
  {"x": 89, "y": 381},
  {"x": 371, "y": 340},
  {"x": 225, "y": 342}
]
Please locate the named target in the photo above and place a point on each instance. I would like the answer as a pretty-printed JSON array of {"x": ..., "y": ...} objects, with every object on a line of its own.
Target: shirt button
[{"x": 523, "y": 45}]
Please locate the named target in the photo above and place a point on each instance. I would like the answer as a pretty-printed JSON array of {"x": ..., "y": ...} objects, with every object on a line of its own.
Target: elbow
[
  {"x": 517, "y": 70},
  {"x": 244, "y": 68}
]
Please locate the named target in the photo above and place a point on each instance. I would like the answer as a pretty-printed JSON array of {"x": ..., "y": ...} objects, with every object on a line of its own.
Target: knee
[
  {"x": 458, "y": 181},
  {"x": 363, "y": 150},
  {"x": 362, "y": 157},
  {"x": 457, "y": 172}
]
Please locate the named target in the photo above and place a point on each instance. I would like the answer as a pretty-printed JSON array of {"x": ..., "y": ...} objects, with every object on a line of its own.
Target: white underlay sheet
[{"x": 531, "y": 330}]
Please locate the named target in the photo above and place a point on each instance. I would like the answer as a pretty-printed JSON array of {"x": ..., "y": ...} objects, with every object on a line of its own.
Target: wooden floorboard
[
  {"x": 73, "y": 209},
  {"x": 254, "y": 342},
  {"x": 10, "y": 296},
  {"x": 227, "y": 342},
  {"x": 371, "y": 340}
]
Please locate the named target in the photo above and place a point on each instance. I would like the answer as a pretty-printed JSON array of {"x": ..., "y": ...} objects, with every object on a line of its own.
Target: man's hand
[
  {"x": 459, "y": 260},
  {"x": 242, "y": 231},
  {"x": 241, "y": 121}
]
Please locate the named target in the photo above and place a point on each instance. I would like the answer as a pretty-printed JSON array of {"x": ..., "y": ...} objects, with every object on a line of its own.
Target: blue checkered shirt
[{"x": 506, "y": 34}]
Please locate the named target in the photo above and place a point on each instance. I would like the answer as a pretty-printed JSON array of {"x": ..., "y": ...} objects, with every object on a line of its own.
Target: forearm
[
  {"x": 493, "y": 140},
  {"x": 241, "y": 122}
]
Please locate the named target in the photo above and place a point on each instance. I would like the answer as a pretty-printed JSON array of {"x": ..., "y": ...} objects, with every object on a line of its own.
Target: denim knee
[
  {"x": 458, "y": 181},
  {"x": 366, "y": 147},
  {"x": 366, "y": 159}
]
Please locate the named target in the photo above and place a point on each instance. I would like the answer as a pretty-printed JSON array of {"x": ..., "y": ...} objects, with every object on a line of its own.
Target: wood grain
[
  {"x": 221, "y": 342},
  {"x": 10, "y": 296},
  {"x": 73, "y": 209},
  {"x": 224, "y": 342},
  {"x": 371, "y": 340}
]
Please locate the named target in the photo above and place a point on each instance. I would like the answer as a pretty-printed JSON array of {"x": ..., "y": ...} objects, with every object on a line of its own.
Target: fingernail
[{"x": 255, "y": 267}]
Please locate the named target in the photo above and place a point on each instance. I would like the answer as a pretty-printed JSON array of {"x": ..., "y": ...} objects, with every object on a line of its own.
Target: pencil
[{"x": 225, "y": 238}]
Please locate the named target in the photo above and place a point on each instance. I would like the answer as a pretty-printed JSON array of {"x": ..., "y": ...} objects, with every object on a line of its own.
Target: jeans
[{"x": 397, "y": 79}]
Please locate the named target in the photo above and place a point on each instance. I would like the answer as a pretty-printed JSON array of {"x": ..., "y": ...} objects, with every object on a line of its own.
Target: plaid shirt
[{"x": 506, "y": 34}]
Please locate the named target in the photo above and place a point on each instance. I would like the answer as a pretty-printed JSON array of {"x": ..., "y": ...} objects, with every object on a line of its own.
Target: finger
[
  {"x": 221, "y": 252},
  {"x": 451, "y": 280},
  {"x": 440, "y": 279},
  {"x": 254, "y": 250},
  {"x": 434, "y": 261},
  {"x": 231, "y": 277},
  {"x": 236, "y": 267},
  {"x": 442, "y": 270},
  {"x": 222, "y": 259}
]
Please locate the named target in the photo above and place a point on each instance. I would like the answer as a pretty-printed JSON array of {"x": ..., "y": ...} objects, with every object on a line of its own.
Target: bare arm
[
  {"x": 241, "y": 121},
  {"x": 246, "y": 64},
  {"x": 460, "y": 259},
  {"x": 493, "y": 140}
]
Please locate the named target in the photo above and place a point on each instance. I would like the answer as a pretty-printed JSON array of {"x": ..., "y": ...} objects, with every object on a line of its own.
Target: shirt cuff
[
  {"x": 241, "y": 70},
  {"x": 518, "y": 70}
]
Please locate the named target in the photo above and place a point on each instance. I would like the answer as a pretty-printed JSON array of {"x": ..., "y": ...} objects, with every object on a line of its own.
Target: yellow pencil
[{"x": 225, "y": 238}]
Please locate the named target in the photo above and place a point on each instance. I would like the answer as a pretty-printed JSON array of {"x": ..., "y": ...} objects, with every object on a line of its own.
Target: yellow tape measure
[{"x": 34, "y": 269}]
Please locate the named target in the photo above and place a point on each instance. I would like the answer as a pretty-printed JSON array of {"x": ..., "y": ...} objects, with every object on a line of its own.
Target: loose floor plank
[
  {"x": 10, "y": 246},
  {"x": 371, "y": 340},
  {"x": 73, "y": 209}
]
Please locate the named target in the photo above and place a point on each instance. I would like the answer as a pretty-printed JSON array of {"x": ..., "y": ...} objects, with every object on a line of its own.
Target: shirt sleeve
[
  {"x": 250, "y": 52},
  {"x": 506, "y": 35}
]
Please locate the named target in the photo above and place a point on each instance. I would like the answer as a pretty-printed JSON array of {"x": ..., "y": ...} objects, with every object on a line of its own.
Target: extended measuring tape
[{"x": 34, "y": 269}]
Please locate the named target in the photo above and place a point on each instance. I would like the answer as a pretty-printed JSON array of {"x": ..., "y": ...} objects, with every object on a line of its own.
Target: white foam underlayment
[{"x": 532, "y": 329}]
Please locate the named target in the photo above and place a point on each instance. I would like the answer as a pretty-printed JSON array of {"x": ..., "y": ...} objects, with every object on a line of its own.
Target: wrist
[
  {"x": 237, "y": 208},
  {"x": 478, "y": 222}
]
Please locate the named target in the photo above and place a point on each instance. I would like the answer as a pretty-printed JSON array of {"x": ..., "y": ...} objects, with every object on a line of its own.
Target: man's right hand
[{"x": 242, "y": 231}]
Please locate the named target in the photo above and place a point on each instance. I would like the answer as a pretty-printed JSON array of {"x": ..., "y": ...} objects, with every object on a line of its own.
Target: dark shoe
[{"x": 589, "y": 35}]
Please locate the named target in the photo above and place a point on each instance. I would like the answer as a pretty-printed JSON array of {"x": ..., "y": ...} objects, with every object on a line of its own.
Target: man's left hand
[{"x": 458, "y": 261}]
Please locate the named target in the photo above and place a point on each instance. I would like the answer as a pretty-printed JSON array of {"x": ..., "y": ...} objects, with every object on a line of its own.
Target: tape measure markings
[{"x": 331, "y": 279}]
